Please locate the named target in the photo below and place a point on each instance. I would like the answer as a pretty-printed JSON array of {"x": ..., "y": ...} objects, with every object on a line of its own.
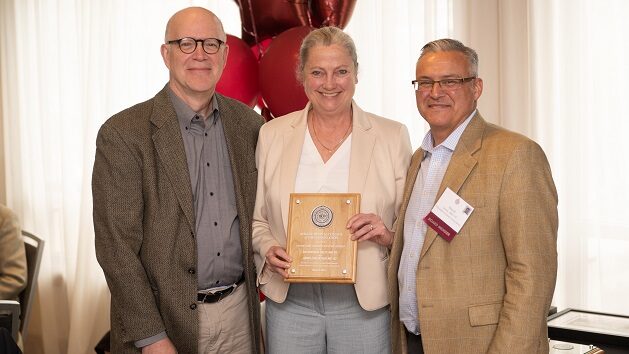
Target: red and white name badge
[{"x": 449, "y": 215}]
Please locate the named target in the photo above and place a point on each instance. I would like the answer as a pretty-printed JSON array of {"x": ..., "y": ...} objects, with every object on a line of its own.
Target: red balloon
[
  {"x": 240, "y": 76},
  {"x": 262, "y": 19},
  {"x": 260, "y": 48},
  {"x": 258, "y": 51},
  {"x": 331, "y": 12},
  {"x": 279, "y": 87}
]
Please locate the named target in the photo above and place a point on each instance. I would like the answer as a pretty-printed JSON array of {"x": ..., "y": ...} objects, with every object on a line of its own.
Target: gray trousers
[{"x": 325, "y": 318}]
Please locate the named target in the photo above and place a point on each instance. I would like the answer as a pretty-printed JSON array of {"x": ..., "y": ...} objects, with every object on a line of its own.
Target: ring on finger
[{"x": 371, "y": 227}]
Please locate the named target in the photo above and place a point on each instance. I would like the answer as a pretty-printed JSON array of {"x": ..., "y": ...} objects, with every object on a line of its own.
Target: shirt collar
[
  {"x": 185, "y": 114},
  {"x": 451, "y": 141}
]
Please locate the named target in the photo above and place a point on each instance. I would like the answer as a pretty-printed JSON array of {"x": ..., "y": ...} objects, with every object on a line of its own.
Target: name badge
[{"x": 448, "y": 215}]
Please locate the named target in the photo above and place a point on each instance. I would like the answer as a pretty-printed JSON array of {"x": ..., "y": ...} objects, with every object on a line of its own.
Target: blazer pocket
[
  {"x": 487, "y": 314},
  {"x": 266, "y": 275}
]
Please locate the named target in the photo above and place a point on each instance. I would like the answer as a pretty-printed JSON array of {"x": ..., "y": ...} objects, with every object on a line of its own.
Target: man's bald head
[{"x": 178, "y": 22}]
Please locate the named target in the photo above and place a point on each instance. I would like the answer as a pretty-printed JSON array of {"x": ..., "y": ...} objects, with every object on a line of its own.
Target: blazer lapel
[
  {"x": 363, "y": 142},
  {"x": 461, "y": 165},
  {"x": 411, "y": 177},
  {"x": 293, "y": 142},
  {"x": 169, "y": 145},
  {"x": 236, "y": 146}
]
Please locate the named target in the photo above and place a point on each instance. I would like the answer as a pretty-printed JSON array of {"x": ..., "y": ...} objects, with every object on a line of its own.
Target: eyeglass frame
[
  {"x": 458, "y": 83},
  {"x": 196, "y": 44}
]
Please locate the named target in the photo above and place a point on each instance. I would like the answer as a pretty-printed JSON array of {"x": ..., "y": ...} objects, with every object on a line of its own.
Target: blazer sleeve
[
  {"x": 118, "y": 226},
  {"x": 12, "y": 256},
  {"x": 402, "y": 160},
  {"x": 262, "y": 238},
  {"x": 528, "y": 227}
]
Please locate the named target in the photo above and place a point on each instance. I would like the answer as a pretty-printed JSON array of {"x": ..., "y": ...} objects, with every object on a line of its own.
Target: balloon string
[
  {"x": 255, "y": 31},
  {"x": 308, "y": 8}
]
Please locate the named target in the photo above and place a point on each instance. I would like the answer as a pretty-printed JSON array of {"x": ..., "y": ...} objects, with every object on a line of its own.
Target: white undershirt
[{"x": 315, "y": 176}]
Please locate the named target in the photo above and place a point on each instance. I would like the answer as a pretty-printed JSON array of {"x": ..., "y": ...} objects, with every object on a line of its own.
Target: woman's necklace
[{"x": 330, "y": 150}]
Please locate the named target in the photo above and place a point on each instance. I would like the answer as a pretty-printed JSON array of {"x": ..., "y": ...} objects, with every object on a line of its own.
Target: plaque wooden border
[{"x": 317, "y": 239}]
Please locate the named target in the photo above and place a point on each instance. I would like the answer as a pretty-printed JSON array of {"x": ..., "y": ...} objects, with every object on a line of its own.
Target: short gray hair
[
  {"x": 325, "y": 36},
  {"x": 452, "y": 45}
]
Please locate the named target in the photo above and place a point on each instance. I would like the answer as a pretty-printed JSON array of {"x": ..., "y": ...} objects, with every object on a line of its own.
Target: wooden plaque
[{"x": 318, "y": 242}]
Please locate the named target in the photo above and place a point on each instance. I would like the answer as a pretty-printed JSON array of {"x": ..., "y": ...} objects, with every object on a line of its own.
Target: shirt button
[
  {"x": 217, "y": 282},
  {"x": 218, "y": 254},
  {"x": 205, "y": 134},
  {"x": 211, "y": 194},
  {"x": 215, "y": 223},
  {"x": 193, "y": 306},
  {"x": 207, "y": 163},
  {"x": 191, "y": 271}
]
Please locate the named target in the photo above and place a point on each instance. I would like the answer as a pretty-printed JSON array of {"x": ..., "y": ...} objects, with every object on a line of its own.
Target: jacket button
[
  {"x": 193, "y": 306},
  {"x": 191, "y": 271}
]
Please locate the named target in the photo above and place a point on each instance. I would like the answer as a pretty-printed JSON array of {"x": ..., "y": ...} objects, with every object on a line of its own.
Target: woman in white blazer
[{"x": 331, "y": 146}]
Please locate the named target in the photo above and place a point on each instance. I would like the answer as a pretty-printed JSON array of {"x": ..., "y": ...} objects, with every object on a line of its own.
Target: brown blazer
[
  {"x": 380, "y": 154},
  {"x": 489, "y": 290},
  {"x": 144, "y": 220},
  {"x": 12, "y": 256}
]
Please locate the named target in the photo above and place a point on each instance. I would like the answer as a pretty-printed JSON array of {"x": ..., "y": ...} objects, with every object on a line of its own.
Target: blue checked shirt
[{"x": 431, "y": 172}]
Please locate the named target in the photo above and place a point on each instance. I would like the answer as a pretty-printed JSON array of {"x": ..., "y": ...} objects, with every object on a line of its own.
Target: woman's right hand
[{"x": 278, "y": 260}]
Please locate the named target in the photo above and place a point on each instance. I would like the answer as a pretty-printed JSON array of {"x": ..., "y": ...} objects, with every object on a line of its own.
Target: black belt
[{"x": 219, "y": 295}]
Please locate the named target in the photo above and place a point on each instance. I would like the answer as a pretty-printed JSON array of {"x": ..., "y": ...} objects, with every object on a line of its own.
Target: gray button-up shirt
[{"x": 219, "y": 253}]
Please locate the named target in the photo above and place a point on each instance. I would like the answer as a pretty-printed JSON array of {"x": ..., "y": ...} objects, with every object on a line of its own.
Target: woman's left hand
[{"x": 369, "y": 227}]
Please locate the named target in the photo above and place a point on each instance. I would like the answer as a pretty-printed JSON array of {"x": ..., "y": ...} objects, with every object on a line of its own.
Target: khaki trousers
[{"x": 224, "y": 325}]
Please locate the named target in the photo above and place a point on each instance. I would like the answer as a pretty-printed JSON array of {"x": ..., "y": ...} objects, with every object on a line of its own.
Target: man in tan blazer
[
  {"x": 12, "y": 256},
  {"x": 488, "y": 290},
  {"x": 174, "y": 185}
]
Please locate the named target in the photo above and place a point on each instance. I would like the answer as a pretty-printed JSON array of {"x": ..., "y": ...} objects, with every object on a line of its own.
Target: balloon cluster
[{"x": 261, "y": 66}]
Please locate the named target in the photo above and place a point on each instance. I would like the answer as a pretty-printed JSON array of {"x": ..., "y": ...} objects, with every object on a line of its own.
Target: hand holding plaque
[{"x": 318, "y": 240}]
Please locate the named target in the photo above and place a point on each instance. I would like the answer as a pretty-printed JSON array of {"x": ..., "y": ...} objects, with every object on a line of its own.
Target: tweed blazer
[
  {"x": 12, "y": 256},
  {"x": 489, "y": 289},
  {"x": 144, "y": 220},
  {"x": 380, "y": 154}
]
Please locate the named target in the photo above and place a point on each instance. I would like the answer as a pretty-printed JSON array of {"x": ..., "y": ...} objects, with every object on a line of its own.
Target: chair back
[
  {"x": 34, "y": 247},
  {"x": 10, "y": 317}
]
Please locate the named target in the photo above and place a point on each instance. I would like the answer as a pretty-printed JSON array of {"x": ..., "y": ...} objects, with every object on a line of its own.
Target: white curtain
[
  {"x": 579, "y": 75},
  {"x": 67, "y": 65}
]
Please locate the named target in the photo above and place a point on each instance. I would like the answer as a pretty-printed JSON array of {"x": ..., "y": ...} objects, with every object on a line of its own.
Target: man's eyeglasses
[
  {"x": 189, "y": 45},
  {"x": 446, "y": 84}
]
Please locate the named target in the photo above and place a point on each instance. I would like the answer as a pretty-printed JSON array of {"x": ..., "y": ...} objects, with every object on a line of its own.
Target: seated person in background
[{"x": 12, "y": 256}]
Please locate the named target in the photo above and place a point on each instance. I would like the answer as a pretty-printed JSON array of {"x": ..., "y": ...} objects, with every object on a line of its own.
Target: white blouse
[{"x": 316, "y": 176}]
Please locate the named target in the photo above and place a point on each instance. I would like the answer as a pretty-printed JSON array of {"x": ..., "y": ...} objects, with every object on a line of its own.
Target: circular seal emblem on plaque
[{"x": 322, "y": 216}]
